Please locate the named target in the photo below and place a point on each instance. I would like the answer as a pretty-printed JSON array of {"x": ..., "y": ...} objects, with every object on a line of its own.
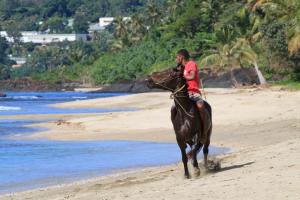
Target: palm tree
[
  {"x": 174, "y": 7},
  {"x": 121, "y": 33},
  {"x": 233, "y": 56},
  {"x": 284, "y": 11},
  {"x": 153, "y": 13},
  {"x": 254, "y": 4},
  {"x": 120, "y": 27},
  {"x": 138, "y": 28},
  {"x": 226, "y": 34}
]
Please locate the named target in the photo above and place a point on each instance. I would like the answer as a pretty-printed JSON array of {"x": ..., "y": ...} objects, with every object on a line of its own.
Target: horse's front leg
[
  {"x": 182, "y": 147},
  {"x": 195, "y": 151}
]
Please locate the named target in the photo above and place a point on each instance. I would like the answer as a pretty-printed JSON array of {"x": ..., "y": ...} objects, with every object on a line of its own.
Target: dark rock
[
  {"x": 243, "y": 77},
  {"x": 210, "y": 79},
  {"x": 118, "y": 87},
  {"x": 137, "y": 86},
  {"x": 27, "y": 84},
  {"x": 141, "y": 86}
]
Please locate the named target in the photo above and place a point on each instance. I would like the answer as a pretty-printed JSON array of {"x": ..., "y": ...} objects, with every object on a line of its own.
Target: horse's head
[{"x": 169, "y": 79}]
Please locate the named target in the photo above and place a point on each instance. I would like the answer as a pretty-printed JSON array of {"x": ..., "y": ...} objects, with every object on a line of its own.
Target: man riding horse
[{"x": 191, "y": 75}]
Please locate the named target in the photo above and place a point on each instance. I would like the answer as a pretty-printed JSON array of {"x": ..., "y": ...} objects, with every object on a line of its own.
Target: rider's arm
[{"x": 191, "y": 75}]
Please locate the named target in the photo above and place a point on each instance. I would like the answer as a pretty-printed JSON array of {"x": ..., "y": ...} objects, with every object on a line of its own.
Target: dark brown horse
[{"x": 185, "y": 117}]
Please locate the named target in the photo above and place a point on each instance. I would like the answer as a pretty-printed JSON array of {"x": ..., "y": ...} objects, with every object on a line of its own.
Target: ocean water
[
  {"x": 21, "y": 103},
  {"x": 28, "y": 164},
  {"x": 31, "y": 164}
]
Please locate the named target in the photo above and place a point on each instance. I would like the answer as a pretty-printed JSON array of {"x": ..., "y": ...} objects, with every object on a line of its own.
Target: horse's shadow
[
  {"x": 235, "y": 166},
  {"x": 215, "y": 166}
]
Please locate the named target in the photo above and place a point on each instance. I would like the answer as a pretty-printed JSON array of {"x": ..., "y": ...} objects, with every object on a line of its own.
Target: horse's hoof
[
  {"x": 197, "y": 172},
  {"x": 213, "y": 165},
  {"x": 187, "y": 176},
  {"x": 206, "y": 165}
]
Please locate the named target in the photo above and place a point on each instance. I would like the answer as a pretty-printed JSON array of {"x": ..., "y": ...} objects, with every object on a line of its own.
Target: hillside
[{"x": 222, "y": 35}]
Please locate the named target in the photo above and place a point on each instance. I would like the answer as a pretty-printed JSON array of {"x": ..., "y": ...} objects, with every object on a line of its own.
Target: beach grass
[{"x": 293, "y": 85}]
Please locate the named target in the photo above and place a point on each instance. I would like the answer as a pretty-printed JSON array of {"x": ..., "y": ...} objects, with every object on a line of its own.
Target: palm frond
[
  {"x": 213, "y": 59},
  {"x": 294, "y": 44}
]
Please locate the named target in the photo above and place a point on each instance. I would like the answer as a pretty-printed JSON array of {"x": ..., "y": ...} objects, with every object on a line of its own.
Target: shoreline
[
  {"x": 264, "y": 135},
  {"x": 48, "y": 183},
  {"x": 134, "y": 184}
]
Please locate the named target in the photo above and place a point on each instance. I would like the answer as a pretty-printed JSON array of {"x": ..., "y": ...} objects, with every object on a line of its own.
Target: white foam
[
  {"x": 5, "y": 108},
  {"x": 25, "y": 97},
  {"x": 79, "y": 97}
]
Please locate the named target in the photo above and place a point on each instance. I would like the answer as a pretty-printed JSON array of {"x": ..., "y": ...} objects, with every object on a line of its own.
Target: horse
[{"x": 185, "y": 117}]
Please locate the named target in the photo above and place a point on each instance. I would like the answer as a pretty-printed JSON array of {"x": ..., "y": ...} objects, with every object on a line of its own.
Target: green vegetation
[
  {"x": 293, "y": 85},
  {"x": 220, "y": 34},
  {"x": 5, "y": 70},
  {"x": 29, "y": 15}
]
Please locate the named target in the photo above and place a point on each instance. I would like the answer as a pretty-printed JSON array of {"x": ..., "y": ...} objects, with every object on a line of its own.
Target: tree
[
  {"x": 56, "y": 24},
  {"x": 102, "y": 40},
  {"x": 3, "y": 47},
  {"x": 56, "y": 7},
  {"x": 121, "y": 33},
  {"x": 153, "y": 13},
  {"x": 233, "y": 56},
  {"x": 120, "y": 27},
  {"x": 13, "y": 31},
  {"x": 7, "y": 8},
  {"x": 5, "y": 72},
  {"x": 80, "y": 23},
  {"x": 138, "y": 28},
  {"x": 285, "y": 12},
  {"x": 174, "y": 8},
  {"x": 226, "y": 34},
  {"x": 5, "y": 69}
]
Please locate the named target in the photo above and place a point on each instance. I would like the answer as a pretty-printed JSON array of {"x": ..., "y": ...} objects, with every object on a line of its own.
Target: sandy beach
[{"x": 261, "y": 126}]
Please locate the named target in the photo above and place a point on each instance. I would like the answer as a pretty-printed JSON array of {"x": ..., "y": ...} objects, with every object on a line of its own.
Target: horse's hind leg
[{"x": 205, "y": 148}]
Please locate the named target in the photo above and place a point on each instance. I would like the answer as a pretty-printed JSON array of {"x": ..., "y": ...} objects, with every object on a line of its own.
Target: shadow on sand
[
  {"x": 214, "y": 166},
  {"x": 235, "y": 166}
]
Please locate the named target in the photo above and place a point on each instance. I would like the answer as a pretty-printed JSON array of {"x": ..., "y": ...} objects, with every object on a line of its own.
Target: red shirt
[{"x": 193, "y": 85}]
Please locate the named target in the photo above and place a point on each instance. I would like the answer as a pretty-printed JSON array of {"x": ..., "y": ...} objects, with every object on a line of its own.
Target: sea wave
[
  {"x": 79, "y": 97},
  {"x": 26, "y": 97},
  {"x": 5, "y": 108}
]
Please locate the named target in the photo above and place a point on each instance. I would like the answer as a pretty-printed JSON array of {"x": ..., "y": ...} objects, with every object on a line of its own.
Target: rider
[{"x": 192, "y": 78}]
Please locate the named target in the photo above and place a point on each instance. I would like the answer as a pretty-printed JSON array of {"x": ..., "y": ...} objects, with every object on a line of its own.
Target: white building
[
  {"x": 95, "y": 28},
  {"x": 4, "y": 34},
  {"x": 18, "y": 60},
  {"x": 50, "y": 38},
  {"x": 102, "y": 24},
  {"x": 105, "y": 21},
  {"x": 41, "y": 38}
]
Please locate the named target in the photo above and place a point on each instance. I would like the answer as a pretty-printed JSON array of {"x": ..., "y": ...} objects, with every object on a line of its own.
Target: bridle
[
  {"x": 174, "y": 93},
  {"x": 165, "y": 87}
]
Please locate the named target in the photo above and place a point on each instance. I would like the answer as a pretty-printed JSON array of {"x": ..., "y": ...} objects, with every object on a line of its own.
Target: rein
[
  {"x": 165, "y": 87},
  {"x": 174, "y": 95}
]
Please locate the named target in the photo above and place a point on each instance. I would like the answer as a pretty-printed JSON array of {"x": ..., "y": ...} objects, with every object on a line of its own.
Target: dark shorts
[{"x": 196, "y": 97}]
